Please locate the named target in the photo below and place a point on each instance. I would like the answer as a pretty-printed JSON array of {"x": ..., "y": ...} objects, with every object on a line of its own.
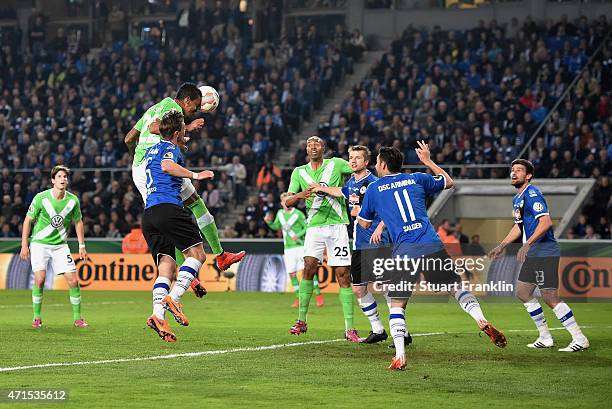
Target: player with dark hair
[
  {"x": 326, "y": 230},
  {"x": 540, "y": 255},
  {"x": 145, "y": 134},
  {"x": 167, "y": 224},
  {"x": 399, "y": 199},
  {"x": 52, "y": 212}
]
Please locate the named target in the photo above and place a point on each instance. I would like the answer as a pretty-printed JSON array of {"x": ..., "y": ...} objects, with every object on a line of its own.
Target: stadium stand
[
  {"x": 478, "y": 96},
  {"x": 71, "y": 105}
]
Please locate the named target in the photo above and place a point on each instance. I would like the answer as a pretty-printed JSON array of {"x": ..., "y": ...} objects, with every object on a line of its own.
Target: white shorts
[
  {"x": 294, "y": 259},
  {"x": 139, "y": 176},
  {"x": 332, "y": 237},
  {"x": 58, "y": 256}
]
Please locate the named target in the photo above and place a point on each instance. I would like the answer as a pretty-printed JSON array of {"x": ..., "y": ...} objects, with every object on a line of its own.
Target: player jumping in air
[
  {"x": 292, "y": 223},
  {"x": 146, "y": 134},
  {"x": 167, "y": 224},
  {"x": 326, "y": 230},
  {"x": 399, "y": 199},
  {"x": 374, "y": 240},
  {"x": 540, "y": 256},
  {"x": 54, "y": 210}
]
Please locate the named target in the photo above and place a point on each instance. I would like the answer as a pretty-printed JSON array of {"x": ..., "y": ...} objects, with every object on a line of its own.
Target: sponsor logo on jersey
[
  {"x": 533, "y": 193},
  {"x": 354, "y": 199},
  {"x": 57, "y": 221},
  {"x": 168, "y": 155},
  {"x": 538, "y": 207},
  {"x": 363, "y": 189},
  {"x": 321, "y": 194}
]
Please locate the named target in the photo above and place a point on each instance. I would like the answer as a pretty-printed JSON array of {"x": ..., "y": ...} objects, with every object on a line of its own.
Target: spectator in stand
[
  {"x": 134, "y": 242},
  {"x": 212, "y": 198},
  {"x": 579, "y": 228}
]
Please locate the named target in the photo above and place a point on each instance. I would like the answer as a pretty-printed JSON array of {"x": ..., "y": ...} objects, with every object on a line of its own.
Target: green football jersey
[
  {"x": 53, "y": 217},
  {"x": 322, "y": 209},
  {"x": 292, "y": 223},
  {"x": 148, "y": 139}
]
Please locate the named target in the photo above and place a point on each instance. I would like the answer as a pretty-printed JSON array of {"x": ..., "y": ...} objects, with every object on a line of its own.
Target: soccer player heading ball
[
  {"x": 399, "y": 199},
  {"x": 146, "y": 133},
  {"x": 167, "y": 225},
  {"x": 53, "y": 210},
  {"x": 540, "y": 256}
]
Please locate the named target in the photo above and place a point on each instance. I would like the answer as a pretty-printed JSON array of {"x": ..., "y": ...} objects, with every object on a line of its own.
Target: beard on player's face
[{"x": 518, "y": 179}]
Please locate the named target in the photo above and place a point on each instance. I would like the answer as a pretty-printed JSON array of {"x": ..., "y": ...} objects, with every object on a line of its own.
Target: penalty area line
[{"x": 234, "y": 350}]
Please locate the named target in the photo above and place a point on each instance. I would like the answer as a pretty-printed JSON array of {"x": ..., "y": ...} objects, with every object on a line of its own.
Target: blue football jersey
[
  {"x": 162, "y": 187},
  {"x": 528, "y": 207},
  {"x": 400, "y": 201},
  {"x": 354, "y": 190}
]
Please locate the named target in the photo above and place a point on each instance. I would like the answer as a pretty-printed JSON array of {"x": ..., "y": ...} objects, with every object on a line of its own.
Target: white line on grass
[
  {"x": 7, "y": 306},
  {"x": 228, "y": 351}
]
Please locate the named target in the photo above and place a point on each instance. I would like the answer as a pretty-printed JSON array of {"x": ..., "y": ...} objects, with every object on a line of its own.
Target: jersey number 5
[{"x": 400, "y": 205}]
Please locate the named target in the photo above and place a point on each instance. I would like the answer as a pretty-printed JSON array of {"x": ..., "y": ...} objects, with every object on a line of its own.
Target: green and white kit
[
  {"x": 148, "y": 139},
  {"x": 48, "y": 240},
  {"x": 293, "y": 226},
  {"x": 326, "y": 215}
]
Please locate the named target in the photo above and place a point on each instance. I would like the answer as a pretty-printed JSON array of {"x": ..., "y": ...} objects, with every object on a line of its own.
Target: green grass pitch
[{"x": 457, "y": 368}]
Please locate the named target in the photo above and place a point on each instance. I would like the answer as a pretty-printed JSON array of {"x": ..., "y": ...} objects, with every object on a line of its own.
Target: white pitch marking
[
  {"x": 230, "y": 351},
  {"x": 7, "y": 306}
]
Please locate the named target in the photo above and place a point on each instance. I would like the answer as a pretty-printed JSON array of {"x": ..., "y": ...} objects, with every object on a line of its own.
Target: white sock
[
  {"x": 160, "y": 290},
  {"x": 470, "y": 304},
  {"x": 387, "y": 299},
  {"x": 397, "y": 325},
  {"x": 566, "y": 316},
  {"x": 189, "y": 269},
  {"x": 537, "y": 315},
  {"x": 368, "y": 306}
]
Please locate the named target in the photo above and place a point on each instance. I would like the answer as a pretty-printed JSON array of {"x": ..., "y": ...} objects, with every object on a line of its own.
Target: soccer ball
[{"x": 210, "y": 99}]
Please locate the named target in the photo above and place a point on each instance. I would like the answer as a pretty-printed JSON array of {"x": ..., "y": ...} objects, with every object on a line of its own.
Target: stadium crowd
[
  {"x": 477, "y": 96},
  {"x": 61, "y": 103}
]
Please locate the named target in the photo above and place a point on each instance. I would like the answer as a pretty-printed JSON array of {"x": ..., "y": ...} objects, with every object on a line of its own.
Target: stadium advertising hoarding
[{"x": 584, "y": 272}]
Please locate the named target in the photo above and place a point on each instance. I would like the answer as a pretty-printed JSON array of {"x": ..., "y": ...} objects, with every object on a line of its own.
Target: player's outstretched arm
[
  {"x": 131, "y": 140},
  {"x": 293, "y": 199},
  {"x": 511, "y": 237},
  {"x": 174, "y": 169},
  {"x": 329, "y": 190},
  {"x": 425, "y": 157},
  {"x": 24, "y": 254}
]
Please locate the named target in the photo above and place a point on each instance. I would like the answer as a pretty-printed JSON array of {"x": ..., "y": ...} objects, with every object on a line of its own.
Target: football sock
[
  {"x": 470, "y": 304},
  {"x": 189, "y": 269},
  {"x": 37, "y": 297},
  {"x": 305, "y": 295},
  {"x": 387, "y": 299},
  {"x": 315, "y": 283},
  {"x": 369, "y": 308},
  {"x": 206, "y": 223},
  {"x": 566, "y": 316},
  {"x": 346, "y": 299},
  {"x": 397, "y": 325},
  {"x": 160, "y": 290},
  {"x": 537, "y": 315},
  {"x": 75, "y": 301},
  {"x": 296, "y": 285}
]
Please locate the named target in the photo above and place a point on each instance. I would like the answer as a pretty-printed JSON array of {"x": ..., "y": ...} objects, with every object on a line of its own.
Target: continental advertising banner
[{"x": 585, "y": 271}]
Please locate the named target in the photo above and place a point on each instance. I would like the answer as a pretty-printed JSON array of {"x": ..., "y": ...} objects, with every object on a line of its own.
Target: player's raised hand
[
  {"x": 268, "y": 217},
  {"x": 423, "y": 152},
  {"x": 24, "y": 254},
  {"x": 195, "y": 124},
  {"x": 205, "y": 174}
]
